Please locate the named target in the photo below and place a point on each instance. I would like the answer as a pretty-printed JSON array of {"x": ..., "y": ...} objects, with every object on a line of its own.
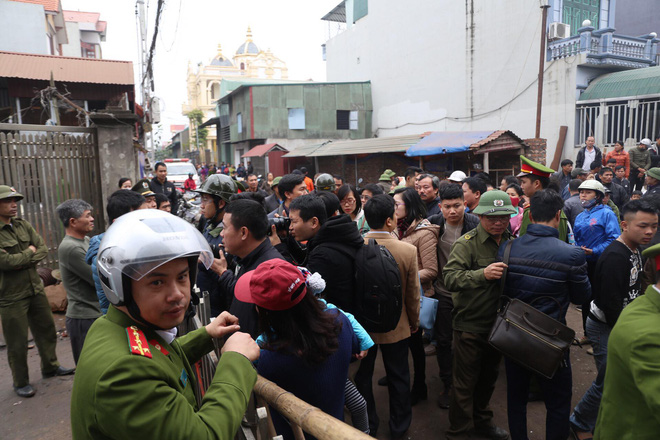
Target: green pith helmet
[
  {"x": 219, "y": 185},
  {"x": 142, "y": 187},
  {"x": 495, "y": 202},
  {"x": 276, "y": 181},
  {"x": 7, "y": 192},
  {"x": 386, "y": 176},
  {"x": 654, "y": 172},
  {"x": 325, "y": 182},
  {"x": 593, "y": 185}
]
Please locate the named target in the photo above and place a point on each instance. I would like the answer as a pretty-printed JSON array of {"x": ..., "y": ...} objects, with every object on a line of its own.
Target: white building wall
[
  {"x": 448, "y": 65},
  {"x": 23, "y": 28},
  {"x": 72, "y": 48}
]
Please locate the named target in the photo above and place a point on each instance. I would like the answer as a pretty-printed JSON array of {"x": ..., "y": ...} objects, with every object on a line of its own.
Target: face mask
[
  {"x": 588, "y": 204},
  {"x": 515, "y": 201}
]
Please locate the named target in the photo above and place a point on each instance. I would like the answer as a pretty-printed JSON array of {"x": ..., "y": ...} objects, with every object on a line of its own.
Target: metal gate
[{"x": 49, "y": 165}]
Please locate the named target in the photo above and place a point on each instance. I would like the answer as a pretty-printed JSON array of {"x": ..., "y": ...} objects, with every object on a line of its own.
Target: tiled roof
[
  {"x": 81, "y": 17},
  {"x": 82, "y": 70},
  {"x": 49, "y": 5}
]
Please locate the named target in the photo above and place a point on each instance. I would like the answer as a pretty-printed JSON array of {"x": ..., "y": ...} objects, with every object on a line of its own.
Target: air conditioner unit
[{"x": 558, "y": 31}]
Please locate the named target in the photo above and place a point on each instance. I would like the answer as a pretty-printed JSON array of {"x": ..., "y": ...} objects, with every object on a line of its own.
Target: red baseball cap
[{"x": 273, "y": 285}]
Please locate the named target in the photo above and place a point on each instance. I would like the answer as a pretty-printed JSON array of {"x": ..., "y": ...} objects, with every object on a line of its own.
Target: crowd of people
[{"x": 289, "y": 266}]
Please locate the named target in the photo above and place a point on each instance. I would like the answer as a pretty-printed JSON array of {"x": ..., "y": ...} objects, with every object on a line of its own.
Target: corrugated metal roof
[
  {"x": 338, "y": 13},
  {"x": 447, "y": 142},
  {"x": 305, "y": 151},
  {"x": 49, "y": 5},
  {"x": 394, "y": 144},
  {"x": 82, "y": 70},
  {"x": 629, "y": 83},
  {"x": 260, "y": 150}
]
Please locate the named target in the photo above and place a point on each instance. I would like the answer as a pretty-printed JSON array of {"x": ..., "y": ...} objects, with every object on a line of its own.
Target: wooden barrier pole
[{"x": 312, "y": 420}]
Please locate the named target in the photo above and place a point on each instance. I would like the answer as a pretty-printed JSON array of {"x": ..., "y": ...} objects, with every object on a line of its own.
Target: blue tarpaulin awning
[{"x": 447, "y": 142}]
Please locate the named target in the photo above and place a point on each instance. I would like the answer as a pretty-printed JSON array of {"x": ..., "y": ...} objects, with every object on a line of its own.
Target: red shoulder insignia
[
  {"x": 137, "y": 342},
  {"x": 159, "y": 347}
]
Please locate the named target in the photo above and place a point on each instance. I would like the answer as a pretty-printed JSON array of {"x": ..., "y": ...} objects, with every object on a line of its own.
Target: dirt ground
[{"x": 46, "y": 415}]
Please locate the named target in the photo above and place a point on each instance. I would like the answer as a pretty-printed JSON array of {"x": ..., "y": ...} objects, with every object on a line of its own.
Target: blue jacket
[
  {"x": 90, "y": 258},
  {"x": 542, "y": 265},
  {"x": 595, "y": 229}
]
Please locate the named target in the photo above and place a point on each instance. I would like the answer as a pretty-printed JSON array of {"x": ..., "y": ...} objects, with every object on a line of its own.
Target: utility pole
[
  {"x": 539, "y": 98},
  {"x": 141, "y": 17}
]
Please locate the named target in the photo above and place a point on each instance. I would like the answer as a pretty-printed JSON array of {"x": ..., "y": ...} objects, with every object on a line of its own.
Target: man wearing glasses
[{"x": 473, "y": 275}]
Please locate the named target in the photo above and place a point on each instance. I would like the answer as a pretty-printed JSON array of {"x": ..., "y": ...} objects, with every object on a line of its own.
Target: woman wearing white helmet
[{"x": 134, "y": 380}]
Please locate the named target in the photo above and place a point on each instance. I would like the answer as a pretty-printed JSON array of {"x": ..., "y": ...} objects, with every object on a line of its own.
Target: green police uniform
[
  {"x": 475, "y": 298},
  {"x": 132, "y": 384},
  {"x": 22, "y": 296},
  {"x": 475, "y": 362},
  {"x": 529, "y": 167}
]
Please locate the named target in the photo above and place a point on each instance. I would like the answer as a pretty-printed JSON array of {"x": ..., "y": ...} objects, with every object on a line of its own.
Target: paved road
[{"x": 46, "y": 416}]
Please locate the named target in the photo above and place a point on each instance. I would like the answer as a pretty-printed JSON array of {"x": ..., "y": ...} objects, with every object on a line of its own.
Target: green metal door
[{"x": 576, "y": 11}]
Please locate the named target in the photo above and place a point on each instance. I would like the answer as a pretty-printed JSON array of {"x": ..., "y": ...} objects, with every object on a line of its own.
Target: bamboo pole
[{"x": 312, "y": 420}]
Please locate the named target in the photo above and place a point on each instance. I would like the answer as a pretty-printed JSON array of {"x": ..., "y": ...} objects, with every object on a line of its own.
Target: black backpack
[{"x": 377, "y": 288}]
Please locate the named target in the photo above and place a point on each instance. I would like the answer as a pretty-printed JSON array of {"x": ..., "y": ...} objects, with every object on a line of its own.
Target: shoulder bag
[{"x": 527, "y": 336}]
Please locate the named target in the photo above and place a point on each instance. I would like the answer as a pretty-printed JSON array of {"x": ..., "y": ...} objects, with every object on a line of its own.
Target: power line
[{"x": 152, "y": 49}]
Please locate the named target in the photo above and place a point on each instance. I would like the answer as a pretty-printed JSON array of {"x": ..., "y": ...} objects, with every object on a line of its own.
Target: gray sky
[{"x": 192, "y": 29}]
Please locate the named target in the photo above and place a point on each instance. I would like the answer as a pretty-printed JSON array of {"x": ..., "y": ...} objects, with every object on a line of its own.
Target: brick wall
[{"x": 536, "y": 150}]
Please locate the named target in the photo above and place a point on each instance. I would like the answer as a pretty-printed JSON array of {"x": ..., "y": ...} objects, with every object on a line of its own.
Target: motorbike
[{"x": 189, "y": 207}]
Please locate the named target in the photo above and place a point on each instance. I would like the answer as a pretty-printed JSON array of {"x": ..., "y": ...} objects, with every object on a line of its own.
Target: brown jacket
[
  {"x": 424, "y": 236},
  {"x": 406, "y": 257}
]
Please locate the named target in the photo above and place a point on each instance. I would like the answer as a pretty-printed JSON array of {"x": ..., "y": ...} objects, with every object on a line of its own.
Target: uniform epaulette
[
  {"x": 470, "y": 234},
  {"x": 137, "y": 342}
]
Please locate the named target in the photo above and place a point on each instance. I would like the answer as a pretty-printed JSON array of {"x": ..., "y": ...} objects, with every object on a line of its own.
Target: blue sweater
[
  {"x": 595, "y": 229},
  {"x": 90, "y": 258},
  {"x": 322, "y": 385}
]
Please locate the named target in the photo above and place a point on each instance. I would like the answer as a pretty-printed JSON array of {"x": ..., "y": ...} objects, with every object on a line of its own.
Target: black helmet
[
  {"x": 219, "y": 185},
  {"x": 325, "y": 182}
]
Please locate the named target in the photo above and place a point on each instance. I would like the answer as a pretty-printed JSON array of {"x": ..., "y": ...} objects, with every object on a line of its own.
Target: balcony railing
[{"x": 604, "y": 47}]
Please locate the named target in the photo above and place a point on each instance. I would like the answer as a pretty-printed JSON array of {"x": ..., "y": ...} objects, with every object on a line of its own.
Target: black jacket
[
  {"x": 619, "y": 195},
  {"x": 572, "y": 207},
  {"x": 331, "y": 253},
  {"x": 433, "y": 208},
  {"x": 470, "y": 221},
  {"x": 271, "y": 203},
  {"x": 579, "y": 161},
  {"x": 246, "y": 313},
  {"x": 168, "y": 189}
]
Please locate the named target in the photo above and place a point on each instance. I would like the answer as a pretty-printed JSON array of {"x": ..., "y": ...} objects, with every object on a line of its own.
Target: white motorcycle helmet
[{"x": 141, "y": 241}]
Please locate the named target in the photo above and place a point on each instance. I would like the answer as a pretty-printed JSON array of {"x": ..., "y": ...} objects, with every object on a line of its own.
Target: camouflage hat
[
  {"x": 495, "y": 202},
  {"x": 654, "y": 172},
  {"x": 142, "y": 188},
  {"x": 7, "y": 192}
]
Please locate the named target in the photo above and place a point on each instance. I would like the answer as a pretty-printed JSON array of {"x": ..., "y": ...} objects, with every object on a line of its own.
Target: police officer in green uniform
[
  {"x": 325, "y": 182},
  {"x": 631, "y": 393},
  {"x": 535, "y": 177},
  {"x": 22, "y": 296},
  {"x": 134, "y": 379},
  {"x": 473, "y": 274},
  {"x": 215, "y": 193}
]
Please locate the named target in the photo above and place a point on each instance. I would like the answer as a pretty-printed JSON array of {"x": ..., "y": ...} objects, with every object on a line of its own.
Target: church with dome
[{"x": 206, "y": 83}]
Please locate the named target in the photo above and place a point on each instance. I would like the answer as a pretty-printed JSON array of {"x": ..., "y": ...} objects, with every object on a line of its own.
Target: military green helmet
[
  {"x": 325, "y": 182},
  {"x": 495, "y": 202},
  {"x": 219, "y": 185},
  {"x": 7, "y": 192}
]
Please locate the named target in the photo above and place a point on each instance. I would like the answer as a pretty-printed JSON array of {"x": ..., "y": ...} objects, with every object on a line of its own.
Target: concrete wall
[
  {"x": 448, "y": 65},
  {"x": 637, "y": 17},
  {"x": 22, "y": 28},
  {"x": 270, "y": 106},
  {"x": 117, "y": 156},
  {"x": 72, "y": 48}
]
